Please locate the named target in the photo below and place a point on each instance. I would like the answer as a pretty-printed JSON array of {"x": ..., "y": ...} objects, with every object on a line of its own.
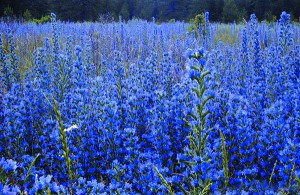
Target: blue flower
[
  {"x": 202, "y": 61},
  {"x": 188, "y": 53},
  {"x": 8, "y": 165},
  {"x": 11, "y": 190}
]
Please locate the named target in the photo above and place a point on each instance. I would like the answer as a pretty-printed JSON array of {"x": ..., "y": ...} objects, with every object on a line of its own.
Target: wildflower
[
  {"x": 71, "y": 128},
  {"x": 8, "y": 165},
  {"x": 188, "y": 53}
]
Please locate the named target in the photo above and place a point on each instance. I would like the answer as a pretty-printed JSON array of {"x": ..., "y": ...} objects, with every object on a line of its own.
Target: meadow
[{"x": 144, "y": 108}]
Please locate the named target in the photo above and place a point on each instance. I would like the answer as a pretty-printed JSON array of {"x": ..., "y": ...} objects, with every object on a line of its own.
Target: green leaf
[
  {"x": 165, "y": 183},
  {"x": 225, "y": 159},
  {"x": 30, "y": 167}
]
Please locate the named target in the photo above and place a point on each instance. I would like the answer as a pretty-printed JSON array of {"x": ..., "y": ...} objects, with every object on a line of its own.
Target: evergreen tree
[
  {"x": 197, "y": 6},
  {"x": 261, "y": 7},
  {"x": 230, "y": 12},
  {"x": 125, "y": 11}
]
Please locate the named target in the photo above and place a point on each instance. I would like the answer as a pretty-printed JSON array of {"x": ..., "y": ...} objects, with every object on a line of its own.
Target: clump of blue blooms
[{"x": 208, "y": 115}]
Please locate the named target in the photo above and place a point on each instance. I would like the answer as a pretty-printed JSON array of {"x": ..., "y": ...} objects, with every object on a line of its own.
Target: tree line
[{"x": 161, "y": 10}]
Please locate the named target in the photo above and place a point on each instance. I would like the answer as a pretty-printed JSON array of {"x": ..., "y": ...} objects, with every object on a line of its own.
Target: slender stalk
[{"x": 63, "y": 137}]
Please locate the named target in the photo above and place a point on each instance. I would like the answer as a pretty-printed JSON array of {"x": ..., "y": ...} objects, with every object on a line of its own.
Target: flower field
[{"x": 144, "y": 108}]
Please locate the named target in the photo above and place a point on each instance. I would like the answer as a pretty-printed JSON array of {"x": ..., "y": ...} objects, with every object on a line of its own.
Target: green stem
[{"x": 63, "y": 137}]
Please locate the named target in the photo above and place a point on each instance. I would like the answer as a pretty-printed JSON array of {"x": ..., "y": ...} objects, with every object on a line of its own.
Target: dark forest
[{"x": 162, "y": 10}]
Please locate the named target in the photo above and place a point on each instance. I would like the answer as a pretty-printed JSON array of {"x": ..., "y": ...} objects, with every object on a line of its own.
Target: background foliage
[{"x": 162, "y": 10}]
